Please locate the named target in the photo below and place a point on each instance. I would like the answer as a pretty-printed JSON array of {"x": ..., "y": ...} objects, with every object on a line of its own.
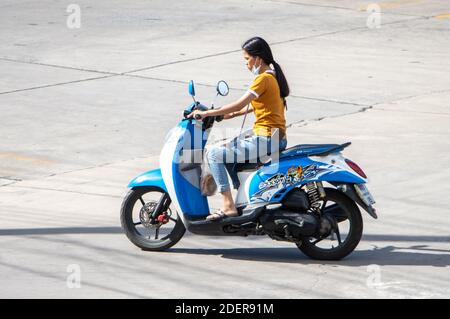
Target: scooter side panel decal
[
  {"x": 296, "y": 172},
  {"x": 150, "y": 178},
  {"x": 273, "y": 179}
]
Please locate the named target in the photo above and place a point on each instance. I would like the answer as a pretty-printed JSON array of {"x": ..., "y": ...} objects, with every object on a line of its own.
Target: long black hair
[{"x": 257, "y": 46}]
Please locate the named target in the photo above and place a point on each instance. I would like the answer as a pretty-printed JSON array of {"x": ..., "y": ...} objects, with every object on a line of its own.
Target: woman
[{"x": 267, "y": 97}]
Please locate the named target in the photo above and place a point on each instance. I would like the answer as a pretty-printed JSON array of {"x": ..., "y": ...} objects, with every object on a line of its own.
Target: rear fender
[{"x": 349, "y": 190}]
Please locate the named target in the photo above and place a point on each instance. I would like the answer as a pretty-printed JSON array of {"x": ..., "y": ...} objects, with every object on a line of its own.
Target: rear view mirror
[
  {"x": 191, "y": 88},
  {"x": 222, "y": 88}
]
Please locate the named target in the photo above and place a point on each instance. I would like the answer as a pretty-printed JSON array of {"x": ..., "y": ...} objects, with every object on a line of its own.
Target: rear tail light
[{"x": 356, "y": 168}]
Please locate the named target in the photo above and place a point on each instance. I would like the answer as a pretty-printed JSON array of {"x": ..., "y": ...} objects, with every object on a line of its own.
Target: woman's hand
[{"x": 198, "y": 113}]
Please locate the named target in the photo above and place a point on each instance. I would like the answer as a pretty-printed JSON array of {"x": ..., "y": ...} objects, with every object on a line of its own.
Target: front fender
[{"x": 150, "y": 178}]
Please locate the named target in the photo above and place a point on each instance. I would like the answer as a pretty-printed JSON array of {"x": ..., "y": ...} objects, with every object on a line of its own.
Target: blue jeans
[{"x": 223, "y": 158}]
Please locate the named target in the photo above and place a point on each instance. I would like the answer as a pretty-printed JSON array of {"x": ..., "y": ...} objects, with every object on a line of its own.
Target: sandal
[{"x": 218, "y": 216}]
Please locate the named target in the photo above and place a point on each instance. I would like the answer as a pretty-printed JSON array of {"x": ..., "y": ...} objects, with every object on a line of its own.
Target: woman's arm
[
  {"x": 244, "y": 110},
  {"x": 226, "y": 109}
]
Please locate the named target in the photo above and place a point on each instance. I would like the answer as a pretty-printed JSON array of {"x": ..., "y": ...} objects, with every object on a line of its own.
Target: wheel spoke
[
  {"x": 156, "y": 233},
  {"x": 338, "y": 234},
  {"x": 323, "y": 205},
  {"x": 173, "y": 219},
  {"x": 142, "y": 201},
  {"x": 161, "y": 199},
  {"x": 317, "y": 241},
  {"x": 138, "y": 223}
]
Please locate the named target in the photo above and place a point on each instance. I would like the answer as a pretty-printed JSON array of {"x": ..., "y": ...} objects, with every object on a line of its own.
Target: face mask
[{"x": 255, "y": 70}]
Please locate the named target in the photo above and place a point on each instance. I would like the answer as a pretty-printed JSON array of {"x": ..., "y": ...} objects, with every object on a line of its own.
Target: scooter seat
[
  {"x": 247, "y": 165},
  {"x": 313, "y": 149},
  {"x": 297, "y": 150}
]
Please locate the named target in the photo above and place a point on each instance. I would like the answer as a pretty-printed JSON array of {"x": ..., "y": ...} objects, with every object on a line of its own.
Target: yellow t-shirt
[{"x": 268, "y": 105}]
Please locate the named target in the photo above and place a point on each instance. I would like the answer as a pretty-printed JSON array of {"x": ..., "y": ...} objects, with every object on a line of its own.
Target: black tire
[
  {"x": 129, "y": 227},
  {"x": 354, "y": 234}
]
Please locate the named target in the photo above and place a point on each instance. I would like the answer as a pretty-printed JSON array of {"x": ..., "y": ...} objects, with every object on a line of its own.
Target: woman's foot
[{"x": 221, "y": 214}]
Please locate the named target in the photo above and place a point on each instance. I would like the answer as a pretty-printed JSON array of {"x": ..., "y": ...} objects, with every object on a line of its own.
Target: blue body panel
[
  {"x": 150, "y": 178},
  {"x": 274, "y": 180},
  {"x": 189, "y": 196}
]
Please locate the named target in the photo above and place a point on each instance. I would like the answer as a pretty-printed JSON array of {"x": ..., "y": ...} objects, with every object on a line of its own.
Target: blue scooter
[{"x": 308, "y": 194}]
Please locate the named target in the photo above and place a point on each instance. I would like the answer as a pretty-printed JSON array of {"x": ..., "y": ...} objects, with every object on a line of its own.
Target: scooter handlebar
[
  {"x": 198, "y": 117},
  {"x": 217, "y": 118}
]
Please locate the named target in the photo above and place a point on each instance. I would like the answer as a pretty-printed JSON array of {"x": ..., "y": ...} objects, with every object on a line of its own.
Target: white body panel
[
  {"x": 171, "y": 148},
  {"x": 338, "y": 161},
  {"x": 243, "y": 196}
]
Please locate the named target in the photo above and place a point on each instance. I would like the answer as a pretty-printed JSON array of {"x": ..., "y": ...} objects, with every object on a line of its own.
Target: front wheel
[
  {"x": 156, "y": 234},
  {"x": 346, "y": 233}
]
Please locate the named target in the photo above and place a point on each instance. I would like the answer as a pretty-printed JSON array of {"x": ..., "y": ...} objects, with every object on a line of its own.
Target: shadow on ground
[
  {"x": 422, "y": 255},
  {"x": 386, "y": 255}
]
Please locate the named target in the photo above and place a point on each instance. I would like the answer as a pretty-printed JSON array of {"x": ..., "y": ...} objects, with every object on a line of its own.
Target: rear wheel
[
  {"x": 157, "y": 235},
  {"x": 346, "y": 232}
]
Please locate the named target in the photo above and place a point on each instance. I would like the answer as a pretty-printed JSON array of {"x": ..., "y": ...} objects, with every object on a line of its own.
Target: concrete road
[{"x": 83, "y": 110}]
